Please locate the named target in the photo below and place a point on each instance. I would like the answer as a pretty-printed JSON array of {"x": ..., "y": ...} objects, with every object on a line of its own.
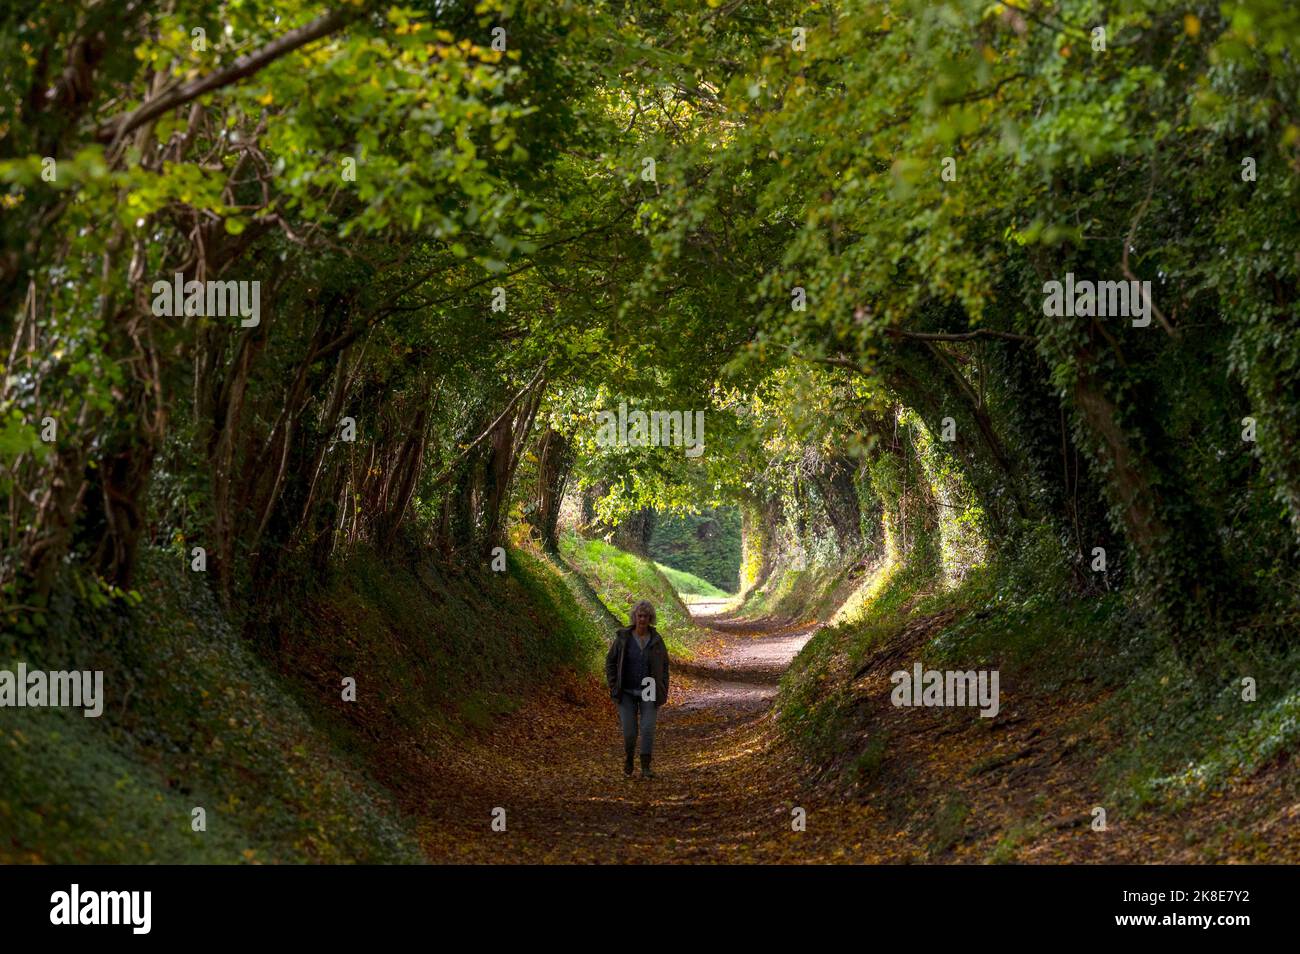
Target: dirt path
[
  {"x": 949, "y": 786},
  {"x": 725, "y": 788}
]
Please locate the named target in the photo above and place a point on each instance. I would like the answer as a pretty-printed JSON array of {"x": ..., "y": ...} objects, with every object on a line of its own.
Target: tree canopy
[{"x": 476, "y": 225}]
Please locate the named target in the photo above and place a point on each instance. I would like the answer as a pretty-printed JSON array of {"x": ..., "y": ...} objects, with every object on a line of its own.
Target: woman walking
[{"x": 636, "y": 671}]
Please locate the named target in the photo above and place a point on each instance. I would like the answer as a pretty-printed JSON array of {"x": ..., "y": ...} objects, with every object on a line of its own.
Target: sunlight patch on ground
[{"x": 708, "y": 606}]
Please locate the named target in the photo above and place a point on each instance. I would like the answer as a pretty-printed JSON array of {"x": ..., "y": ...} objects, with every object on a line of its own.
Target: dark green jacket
[{"x": 657, "y": 657}]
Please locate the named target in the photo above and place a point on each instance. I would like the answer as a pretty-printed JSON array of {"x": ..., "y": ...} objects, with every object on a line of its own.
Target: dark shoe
[
  {"x": 627, "y": 761},
  {"x": 645, "y": 766}
]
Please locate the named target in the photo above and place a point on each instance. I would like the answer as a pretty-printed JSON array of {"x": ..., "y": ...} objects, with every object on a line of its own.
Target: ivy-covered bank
[
  {"x": 226, "y": 739},
  {"x": 1094, "y": 713}
]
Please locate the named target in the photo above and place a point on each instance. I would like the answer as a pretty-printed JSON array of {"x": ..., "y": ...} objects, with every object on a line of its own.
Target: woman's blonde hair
[{"x": 643, "y": 604}]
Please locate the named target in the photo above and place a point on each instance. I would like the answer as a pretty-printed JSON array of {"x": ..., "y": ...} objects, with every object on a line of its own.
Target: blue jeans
[{"x": 628, "y": 705}]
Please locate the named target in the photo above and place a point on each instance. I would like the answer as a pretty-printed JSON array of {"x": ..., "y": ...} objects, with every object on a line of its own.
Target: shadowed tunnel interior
[{"x": 931, "y": 367}]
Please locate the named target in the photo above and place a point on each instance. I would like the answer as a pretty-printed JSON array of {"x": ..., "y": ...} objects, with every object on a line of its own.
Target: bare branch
[
  {"x": 243, "y": 67},
  {"x": 451, "y": 468},
  {"x": 961, "y": 336}
]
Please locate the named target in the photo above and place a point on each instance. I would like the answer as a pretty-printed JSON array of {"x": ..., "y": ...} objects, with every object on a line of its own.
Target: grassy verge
[
  {"x": 621, "y": 579},
  {"x": 691, "y": 588}
]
